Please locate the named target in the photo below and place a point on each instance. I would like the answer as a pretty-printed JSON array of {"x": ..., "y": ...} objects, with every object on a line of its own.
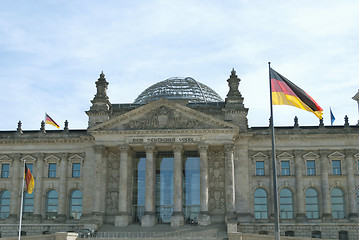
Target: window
[
  {"x": 358, "y": 199},
  {"x": 51, "y": 204},
  {"x": 259, "y": 168},
  {"x": 164, "y": 186},
  {"x": 76, "y": 170},
  {"x": 4, "y": 204},
  {"x": 260, "y": 204},
  {"x": 28, "y": 208},
  {"x": 52, "y": 170},
  {"x": 316, "y": 234},
  {"x": 343, "y": 235},
  {"x": 5, "y": 168},
  {"x": 337, "y": 203},
  {"x": 139, "y": 185},
  {"x": 337, "y": 168},
  {"x": 289, "y": 233},
  {"x": 311, "y": 167},
  {"x": 286, "y": 204},
  {"x": 191, "y": 187},
  {"x": 285, "y": 165},
  {"x": 76, "y": 204},
  {"x": 311, "y": 203}
]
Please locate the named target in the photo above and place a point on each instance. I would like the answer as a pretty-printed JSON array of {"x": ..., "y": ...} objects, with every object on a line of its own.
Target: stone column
[
  {"x": 326, "y": 197},
  {"x": 99, "y": 150},
  {"x": 63, "y": 188},
  {"x": 299, "y": 195},
  {"x": 352, "y": 195},
  {"x": 38, "y": 186},
  {"x": 124, "y": 214},
  {"x": 149, "y": 218},
  {"x": 203, "y": 217},
  {"x": 229, "y": 182},
  {"x": 177, "y": 218},
  {"x": 16, "y": 179}
]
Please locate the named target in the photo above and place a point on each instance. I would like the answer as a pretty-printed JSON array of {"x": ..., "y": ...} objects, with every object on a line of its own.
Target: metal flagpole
[
  {"x": 22, "y": 200},
  {"x": 274, "y": 163}
]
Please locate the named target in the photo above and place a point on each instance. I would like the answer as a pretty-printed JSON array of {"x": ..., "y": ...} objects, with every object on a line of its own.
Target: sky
[{"x": 52, "y": 53}]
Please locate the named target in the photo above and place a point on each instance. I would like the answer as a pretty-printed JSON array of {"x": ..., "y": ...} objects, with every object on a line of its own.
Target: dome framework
[{"x": 179, "y": 89}]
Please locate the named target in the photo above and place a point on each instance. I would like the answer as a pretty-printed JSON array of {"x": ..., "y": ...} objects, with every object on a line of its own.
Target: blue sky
[{"x": 52, "y": 52}]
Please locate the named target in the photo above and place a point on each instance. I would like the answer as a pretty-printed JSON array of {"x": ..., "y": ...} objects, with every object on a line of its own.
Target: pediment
[
  {"x": 285, "y": 155},
  {"x": 260, "y": 155},
  {"x": 336, "y": 155},
  {"x": 162, "y": 115},
  {"x": 311, "y": 155}
]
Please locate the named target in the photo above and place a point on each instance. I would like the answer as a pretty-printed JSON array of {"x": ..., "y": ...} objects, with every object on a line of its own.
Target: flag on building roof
[
  {"x": 332, "y": 118},
  {"x": 49, "y": 120},
  {"x": 284, "y": 92},
  {"x": 30, "y": 183}
]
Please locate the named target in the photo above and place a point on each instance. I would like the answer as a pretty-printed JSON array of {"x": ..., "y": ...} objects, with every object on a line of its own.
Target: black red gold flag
[
  {"x": 284, "y": 92},
  {"x": 49, "y": 120},
  {"x": 29, "y": 179}
]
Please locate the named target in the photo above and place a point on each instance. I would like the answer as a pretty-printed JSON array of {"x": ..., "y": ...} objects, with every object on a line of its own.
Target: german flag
[
  {"x": 284, "y": 92},
  {"x": 30, "y": 183},
  {"x": 49, "y": 120}
]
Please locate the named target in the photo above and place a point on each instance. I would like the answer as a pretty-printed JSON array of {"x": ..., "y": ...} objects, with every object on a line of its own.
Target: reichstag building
[{"x": 178, "y": 155}]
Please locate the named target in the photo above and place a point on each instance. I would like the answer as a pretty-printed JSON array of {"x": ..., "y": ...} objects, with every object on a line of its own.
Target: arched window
[
  {"x": 28, "y": 205},
  {"x": 76, "y": 204},
  {"x": 311, "y": 203},
  {"x": 4, "y": 204},
  {"x": 338, "y": 203},
  {"x": 51, "y": 204},
  {"x": 286, "y": 204},
  {"x": 260, "y": 204}
]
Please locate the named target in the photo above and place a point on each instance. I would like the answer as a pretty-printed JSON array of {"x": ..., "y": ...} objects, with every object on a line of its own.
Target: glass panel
[
  {"x": 285, "y": 168},
  {"x": 337, "y": 170},
  {"x": 337, "y": 203},
  {"x": 139, "y": 180},
  {"x": 260, "y": 204},
  {"x": 164, "y": 187},
  {"x": 286, "y": 204},
  {"x": 260, "y": 168},
  {"x": 76, "y": 170},
  {"x": 311, "y": 167},
  {"x": 5, "y": 168},
  {"x": 76, "y": 204},
  {"x": 51, "y": 204},
  {"x": 4, "y": 204},
  {"x": 52, "y": 170},
  {"x": 191, "y": 187}
]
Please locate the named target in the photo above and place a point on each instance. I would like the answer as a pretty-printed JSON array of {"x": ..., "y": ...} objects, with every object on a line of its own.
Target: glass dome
[{"x": 179, "y": 89}]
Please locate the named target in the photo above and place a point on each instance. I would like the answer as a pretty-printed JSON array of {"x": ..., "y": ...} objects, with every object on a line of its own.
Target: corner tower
[
  {"x": 234, "y": 110},
  {"x": 101, "y": 107}
]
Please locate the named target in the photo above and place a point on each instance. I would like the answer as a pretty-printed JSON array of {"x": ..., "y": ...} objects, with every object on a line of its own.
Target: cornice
[
  {"x": 51, "y": 140},
  {"x": 163, "y": 131}
]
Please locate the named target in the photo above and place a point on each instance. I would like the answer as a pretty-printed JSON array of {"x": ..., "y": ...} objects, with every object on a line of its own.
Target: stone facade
[{"x": 235, "y": 165}]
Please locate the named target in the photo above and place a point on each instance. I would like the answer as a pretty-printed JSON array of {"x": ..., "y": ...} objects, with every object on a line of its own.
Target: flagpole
[
  {"x": 274, "y": 163},
  {"x": 22, "y": 200}
]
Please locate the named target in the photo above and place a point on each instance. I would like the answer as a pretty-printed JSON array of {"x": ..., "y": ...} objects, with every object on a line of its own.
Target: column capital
[
  {"x": 349, "y": 153},
  {"x": 100, "y": 149},
  {"x": 124, "y": 148},
  {"x": 203, "y": 147},
  {"x": 229, "y": 147},
  {"x": 178, "y": 148},
  {"x": 150, "y": 148}
]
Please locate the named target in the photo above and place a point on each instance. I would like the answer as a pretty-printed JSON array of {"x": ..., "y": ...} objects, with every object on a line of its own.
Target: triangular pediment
[{"x": 163, "y": 115}]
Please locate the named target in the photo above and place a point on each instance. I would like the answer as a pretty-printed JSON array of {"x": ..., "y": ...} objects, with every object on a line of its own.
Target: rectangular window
[
  {"x": 311, "y": 167},
  {"x": 5, "y": 168},
  {"x": 259, "y": 168},
  {"x": 337, "y": 167},
  {"x": 52, "y": 170},
  {"x": 76, "y": 170},
  {"x": 285, "y": 165}
]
